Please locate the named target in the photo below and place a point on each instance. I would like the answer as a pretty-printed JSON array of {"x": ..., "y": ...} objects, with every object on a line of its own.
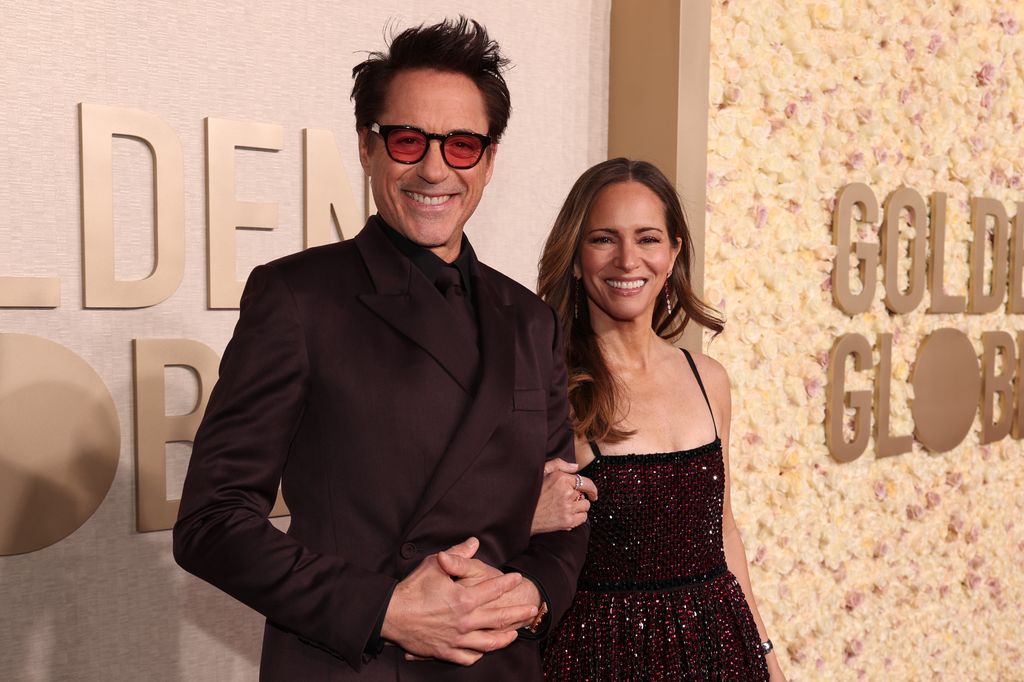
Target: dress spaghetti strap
[
  {"x": 696, "y": 374},
  {"x": 596, "y": 450}
]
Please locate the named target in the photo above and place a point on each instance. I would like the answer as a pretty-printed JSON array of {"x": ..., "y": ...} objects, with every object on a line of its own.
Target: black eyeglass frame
[{"x": 385, "y": 130}]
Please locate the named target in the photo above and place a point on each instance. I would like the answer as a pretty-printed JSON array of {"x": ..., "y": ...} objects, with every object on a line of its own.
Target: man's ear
[{"x": 364, "y": 151}]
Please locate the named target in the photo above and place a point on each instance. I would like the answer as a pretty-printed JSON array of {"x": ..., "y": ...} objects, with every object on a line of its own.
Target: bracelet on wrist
[
  {"x": 538, "y": 619},
  {"x": 766, "y": 647}
]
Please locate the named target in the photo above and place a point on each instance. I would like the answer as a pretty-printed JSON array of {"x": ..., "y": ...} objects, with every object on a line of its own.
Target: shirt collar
[{"x": 429, "y": 263}]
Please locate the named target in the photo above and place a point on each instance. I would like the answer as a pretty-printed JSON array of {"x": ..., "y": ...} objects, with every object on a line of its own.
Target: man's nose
[{"x": 432, "y": 167}]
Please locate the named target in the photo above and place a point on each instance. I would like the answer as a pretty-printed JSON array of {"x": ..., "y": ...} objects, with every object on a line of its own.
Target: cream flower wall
[{"x": 903, "y": 568}]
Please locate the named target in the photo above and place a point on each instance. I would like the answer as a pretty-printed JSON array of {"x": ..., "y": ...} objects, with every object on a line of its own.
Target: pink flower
[
  {"x": 855, "y": 160},
  {"x": 852, "y": 650},
  {"x": 760, "y": 555},
  {"x": 853, "y": 599},
  {"x": 932, "y": 500},
  {"x": 972, "y": 580},
  {"x": 985, "y": 74},
  {"x": 812, "y": 385},
  {"x": 935, "y": 43},
  {"x": 880, "y": 491},
  {"x": 1008, "y": 22},
  {"x": 914, "y": 512},
  {"x": 790, "y": 110}
]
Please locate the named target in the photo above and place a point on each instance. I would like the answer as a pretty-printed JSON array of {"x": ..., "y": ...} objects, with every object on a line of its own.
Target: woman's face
[{"x": 625, "y": 254}]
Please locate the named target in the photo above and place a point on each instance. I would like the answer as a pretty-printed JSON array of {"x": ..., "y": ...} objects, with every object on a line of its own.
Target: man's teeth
[
  {"x": 429, "y": 201},
  {"x": 631, "y": 284}
]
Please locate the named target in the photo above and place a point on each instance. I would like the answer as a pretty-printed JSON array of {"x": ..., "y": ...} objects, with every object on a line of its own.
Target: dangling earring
[
  {"x": 668, "y": 299},
  {"x": 576, "y": 299}
]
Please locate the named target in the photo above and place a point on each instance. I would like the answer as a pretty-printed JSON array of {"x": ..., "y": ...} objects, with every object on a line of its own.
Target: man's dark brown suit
[{"x": 345, "y": 382}]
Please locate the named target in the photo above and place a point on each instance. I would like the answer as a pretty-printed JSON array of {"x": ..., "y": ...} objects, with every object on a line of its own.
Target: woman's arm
[{"x": 719, "y": 390}]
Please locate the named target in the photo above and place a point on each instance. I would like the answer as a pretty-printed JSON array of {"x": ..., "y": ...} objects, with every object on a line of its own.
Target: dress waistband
[{"x": 666, "y": 585}]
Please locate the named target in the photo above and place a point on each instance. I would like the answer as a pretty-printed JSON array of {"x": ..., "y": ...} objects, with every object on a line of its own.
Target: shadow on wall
[{"x": 108, "y": 603}]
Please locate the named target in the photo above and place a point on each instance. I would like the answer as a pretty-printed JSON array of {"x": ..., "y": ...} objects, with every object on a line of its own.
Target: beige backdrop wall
[
  {"x": 108, "y": 603},
  {"x": 909, "y": 567}
]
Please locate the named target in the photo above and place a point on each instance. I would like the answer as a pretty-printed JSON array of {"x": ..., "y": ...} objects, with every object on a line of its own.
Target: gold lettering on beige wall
[
  {"x": 997, "y": 385},
  {"x": 886, "y": 444},
  {"x": 154, "y": 428},
  {"x": 865, "y": 253},
  {"x": 947, "y": 384},
  {"x": 60, "y": 439},
  {"x": 1015, "y": 302},
  {"x": 982, "y": 301},
  {"x": 99, "y": 124},
  {"x": 29, "y": 292},
  {"x": 225, "y": 213},
  {"x": 330, "y": 207},
  {"x": 838, "y": 399},
  {"x": 942, "y": 302},
  {"x": 900, "y": 201}
]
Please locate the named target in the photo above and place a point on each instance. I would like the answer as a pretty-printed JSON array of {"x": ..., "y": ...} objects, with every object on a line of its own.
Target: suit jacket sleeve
[
  {"x": 553, "y": 560},
  {"x": 223, "y": 535}
]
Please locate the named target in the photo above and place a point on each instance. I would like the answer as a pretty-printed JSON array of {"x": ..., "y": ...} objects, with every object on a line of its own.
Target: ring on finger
[{"x": 579, "y": 482}]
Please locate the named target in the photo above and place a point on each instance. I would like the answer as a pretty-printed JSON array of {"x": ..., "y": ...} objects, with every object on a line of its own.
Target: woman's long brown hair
[{"x": 594, "y": 392}]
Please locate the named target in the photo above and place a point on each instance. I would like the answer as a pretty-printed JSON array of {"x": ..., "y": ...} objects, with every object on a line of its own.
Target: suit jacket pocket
[{"x": 529, "y": 399}]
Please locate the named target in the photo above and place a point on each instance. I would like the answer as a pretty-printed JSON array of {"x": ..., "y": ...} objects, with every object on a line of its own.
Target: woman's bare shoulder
[{"x": 713, "y": 374}]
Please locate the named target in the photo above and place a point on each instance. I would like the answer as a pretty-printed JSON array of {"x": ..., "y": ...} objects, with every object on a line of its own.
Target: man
[{"x": 406, "y": 398}]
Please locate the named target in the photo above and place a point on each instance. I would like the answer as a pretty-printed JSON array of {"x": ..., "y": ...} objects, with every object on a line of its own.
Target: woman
[{"x": 664, "y": 593}]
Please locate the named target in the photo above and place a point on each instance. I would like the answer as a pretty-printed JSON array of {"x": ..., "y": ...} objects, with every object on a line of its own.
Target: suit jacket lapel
[
  {"x": 407, "y": 301},
  {"x": 494, "y": 397}
]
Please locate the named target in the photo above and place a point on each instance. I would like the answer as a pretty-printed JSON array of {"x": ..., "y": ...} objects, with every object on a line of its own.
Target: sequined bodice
[{"x": 658, "y": 518}]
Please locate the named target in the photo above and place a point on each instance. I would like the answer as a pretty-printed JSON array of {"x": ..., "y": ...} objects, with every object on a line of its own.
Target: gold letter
[
  {"x": 855, "y": 194},
  {"x": 981, "y": 209},
  {"x": 941, "y": 301},
  {"x": 101, "y": 289},
  {"x": 1016, "y": 302},
  {"x": 838, "y": 398},
  {"x": 224, "y": 213},
  {"x": 29, "y": 292},
  {"x": 1001, "y": 384},
  {"x": 1018, "y": 423},
  {"x": 896, "y": 300},
  {"x": 329, "y": 199},
  {"x": 154, "y": 428},
  {"x": 886, "y": 445}
]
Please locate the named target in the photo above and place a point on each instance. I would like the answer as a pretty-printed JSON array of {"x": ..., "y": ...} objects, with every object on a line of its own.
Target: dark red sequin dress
[{"x": 655, "y": 600}]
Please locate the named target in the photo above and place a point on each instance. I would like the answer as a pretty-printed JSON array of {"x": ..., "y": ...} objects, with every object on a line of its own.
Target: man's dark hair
[{"x": 458, "y": 46}]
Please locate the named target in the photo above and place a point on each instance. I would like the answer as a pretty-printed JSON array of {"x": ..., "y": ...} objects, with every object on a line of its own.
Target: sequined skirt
[{"x": 693, "y": 630}]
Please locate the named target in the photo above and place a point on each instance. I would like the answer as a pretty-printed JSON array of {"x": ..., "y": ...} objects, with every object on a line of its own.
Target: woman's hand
[{"x": 564, "y": 500}]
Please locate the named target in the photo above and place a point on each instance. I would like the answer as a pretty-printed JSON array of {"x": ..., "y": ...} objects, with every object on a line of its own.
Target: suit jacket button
[{"x": 408, "y": 550}]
